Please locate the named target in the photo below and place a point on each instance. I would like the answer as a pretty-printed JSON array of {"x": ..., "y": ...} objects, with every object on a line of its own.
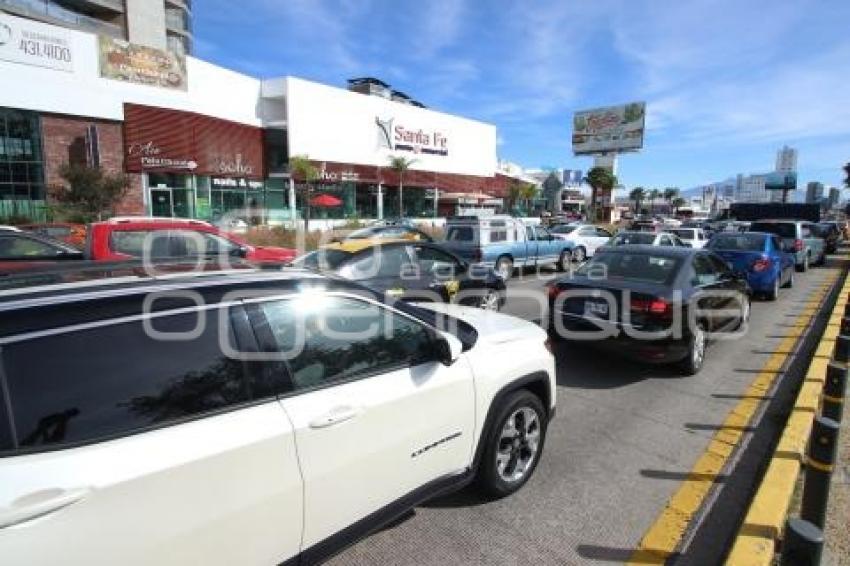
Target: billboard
[
  {"x": 610, "y": 129},
  {"x": 34, "y": 44},
  {"x": 780, "y": 181},
  {"x": 123, "y": 61}
]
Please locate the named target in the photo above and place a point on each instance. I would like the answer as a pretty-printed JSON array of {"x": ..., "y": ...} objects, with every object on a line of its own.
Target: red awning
[{"x": 325, "y": 201}]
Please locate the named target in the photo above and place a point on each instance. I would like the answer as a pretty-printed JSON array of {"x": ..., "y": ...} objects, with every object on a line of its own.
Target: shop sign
[
  {"x": 399, "y": 137},
  {"x": 150, "y": 157},
  {"x": 342, "y": 176},
  {"x": 234, "y": 167},
  {"x": 124, "y": 61},
  {"x": 34, "y": 44},
  {"x": 231, "y": 183}
]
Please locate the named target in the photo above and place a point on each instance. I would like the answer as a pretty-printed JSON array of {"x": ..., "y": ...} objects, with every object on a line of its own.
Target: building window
[
  {"x": 277, "y": 150},
  {"x": 21, "y": 162}
]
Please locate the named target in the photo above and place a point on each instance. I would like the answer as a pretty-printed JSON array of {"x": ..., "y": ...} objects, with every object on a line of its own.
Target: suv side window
[
  {"x": 332, "y": 339},
  {"x": 93, "y": 384},
  {"x": 806, "y": 231},
  {"x": 18, "y": 246},
  {"x": 777, "y": 243}
]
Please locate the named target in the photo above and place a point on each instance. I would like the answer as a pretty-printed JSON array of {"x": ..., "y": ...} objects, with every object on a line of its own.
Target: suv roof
[{"x": 41, "y": 307}]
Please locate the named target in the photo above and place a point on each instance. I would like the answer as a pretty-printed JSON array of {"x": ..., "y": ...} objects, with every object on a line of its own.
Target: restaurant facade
[{"x": 200, "y": 141}]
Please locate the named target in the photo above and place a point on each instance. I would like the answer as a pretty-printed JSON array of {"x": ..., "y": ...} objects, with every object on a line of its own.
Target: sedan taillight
[
  {"x": 761, "y": 264},
  {"x": 652, "y": 306}
]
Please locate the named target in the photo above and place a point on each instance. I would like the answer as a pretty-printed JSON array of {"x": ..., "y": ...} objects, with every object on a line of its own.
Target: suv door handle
[
  {"x": 39, "y": 503},
  {"x": 335, "y": 416}
]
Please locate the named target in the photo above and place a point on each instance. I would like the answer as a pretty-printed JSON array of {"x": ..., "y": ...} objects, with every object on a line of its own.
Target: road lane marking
[{"x": 664, "y": 536}]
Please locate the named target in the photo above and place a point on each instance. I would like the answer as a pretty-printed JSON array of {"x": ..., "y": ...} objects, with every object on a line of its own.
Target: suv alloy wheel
[{"x": 513, "y": 444}]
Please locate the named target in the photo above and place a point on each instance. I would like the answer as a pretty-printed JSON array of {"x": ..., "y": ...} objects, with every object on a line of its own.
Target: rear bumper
[
  {"x": 762, "y": 282},
  {"x": 652, "y": 351}
]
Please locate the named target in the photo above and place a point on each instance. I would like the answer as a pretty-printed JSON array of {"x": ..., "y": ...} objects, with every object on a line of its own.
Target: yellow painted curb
[{"x": 664, "y": 536}]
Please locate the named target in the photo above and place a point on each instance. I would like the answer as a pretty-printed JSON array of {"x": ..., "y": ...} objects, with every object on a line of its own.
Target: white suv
[{"x": 249, "y": 417}]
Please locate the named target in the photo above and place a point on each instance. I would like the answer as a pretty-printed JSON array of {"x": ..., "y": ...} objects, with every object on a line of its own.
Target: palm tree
[
  {"x": 669, "y": 194},
  {"x": 515, "y": 190},
  {"x": 527, "y": 193},
  {"x": 653, "y": 196},
  {"x": 847, "y": 175},
  {"x": 302, "y": 168},
  {"x": 678, "y": 202},
  {"x": 599, "y": 179},
  {"x": 637, "y": 194},
  {"x": 400, "y": 165}
]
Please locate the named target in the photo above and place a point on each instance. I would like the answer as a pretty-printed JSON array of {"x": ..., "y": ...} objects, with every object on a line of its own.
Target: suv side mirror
[
  {"x": 448, "y": 348},
  {"x": 241, "y": 251}
]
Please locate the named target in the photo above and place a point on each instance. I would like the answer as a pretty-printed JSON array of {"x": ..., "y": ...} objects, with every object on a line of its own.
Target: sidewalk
[{"x": 837, "y": 531}]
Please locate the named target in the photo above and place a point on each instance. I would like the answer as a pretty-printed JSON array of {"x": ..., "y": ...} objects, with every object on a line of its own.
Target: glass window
[
  {"x": 23, "y": 247},
  {"x": 21, "y": 167},
  {"x": 460, "y": 234},
  {"x": 587, "y": 231},
  {"x": 322, "y": 260},
  {"x": 132, "y": 242},
  {"x": 633, "y": 238},
  {"x": 602, "y": 233},
  {"x": 436, "y": 262},
  {"x": 740, "y": 242},
  {"x": 781, "y": 229},
  {"x": 378, "y": 262},
  {"x": 326, "y": 339},
  {"x": 192, "y": 242},
  {"x": 563, "y": 229},
  {"x": 719, "y": 265},
  {"x": 704, "y": 272},
  {"x": 113, "y": 380},
  {"x": 541, "y": 233},
  {"x": 631, "y": 266}
]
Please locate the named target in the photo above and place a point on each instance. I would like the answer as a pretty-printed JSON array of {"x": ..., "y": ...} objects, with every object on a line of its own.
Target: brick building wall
[{"x": 64, "y": 140}]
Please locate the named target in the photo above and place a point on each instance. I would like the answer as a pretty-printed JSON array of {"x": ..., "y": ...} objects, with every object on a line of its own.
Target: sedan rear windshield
[
  {"x": 740, "y": 242},
  {"x": 631, "y": 238},
  {"x": 645, "y": 267},
  {"x": 322, "y": 260},
  {"x": 781, "y": 229},
  {"x": 563, "y": 229}
]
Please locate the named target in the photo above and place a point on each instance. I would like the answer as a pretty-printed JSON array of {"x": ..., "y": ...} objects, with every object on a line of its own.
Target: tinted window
[
  {"x": 806, "y": 230},
  {"x": 541, "y": 233},
  {"x": 189, "y": 242},
  {"x": 631, "y": 266},
  {"x": 460, "y": 234},
  {"x": 91, "y": 384},
  {"x": 705, "y": 273},
  {"x": 740, "y": 242},
  {"x": 21, "y": 246},
  {"x": 563, "y": 229},
  {"x": 378, "y": 262},
  {"x": 326, "y": 339},
  {"x": 133, "y": 242},
  {"x": 630, "y": 238},
  {"x": 781, "y": 229},
  {"x": 435, "y": 261},
  {"x": 602, "y": 233},
  {"x": 684, "y": 234},
  {"x": 322, "y": 260}
]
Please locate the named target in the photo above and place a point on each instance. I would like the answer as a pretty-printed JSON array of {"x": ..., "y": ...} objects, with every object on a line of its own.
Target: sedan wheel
[
  {"x": 696, "y": 352},
  {"x": 579, "y": 255},
  {"x": 489, "y": 301},
  {"x": 514, "y": 444},
  {"x": 774, "y": 293},
  {"x": 505, "y": 268}
]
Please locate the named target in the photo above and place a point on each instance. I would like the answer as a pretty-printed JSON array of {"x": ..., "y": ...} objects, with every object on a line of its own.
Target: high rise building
[
  {"x": 753, "y": 189},
  {"x": 786, "y": 160},
  {"x": 164, "y": 24},
  {"x": 834, "y": 197},
  {"x": 814, "y": 192}
]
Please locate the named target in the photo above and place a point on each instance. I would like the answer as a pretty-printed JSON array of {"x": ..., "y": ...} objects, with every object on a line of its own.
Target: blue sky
[{"x": 726, "y": 82}]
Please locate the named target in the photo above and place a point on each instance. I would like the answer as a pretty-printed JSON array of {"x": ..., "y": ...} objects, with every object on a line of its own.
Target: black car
[
  {"x": 830, "y": 233},
  {"x": 653, "y": 304},
  {"x": 410, "y": 271},
  {"x": 23, "y": 250}
]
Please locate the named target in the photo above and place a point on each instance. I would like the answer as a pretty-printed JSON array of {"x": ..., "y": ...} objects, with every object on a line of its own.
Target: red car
[{"x": 125, "y": 237}]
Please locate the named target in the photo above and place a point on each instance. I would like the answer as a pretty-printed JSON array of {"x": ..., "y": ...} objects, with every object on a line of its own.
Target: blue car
[{"x": 759, "y": 255}]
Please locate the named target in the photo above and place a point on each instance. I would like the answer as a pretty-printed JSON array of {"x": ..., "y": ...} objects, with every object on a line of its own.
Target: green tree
[
  {"x": 677, "y": 203},
  {"x": 670, "y": 193},
  {"x": 89, "y": 192},
  {"x": 637, "y": 195},
  {"x": 520, "y": 192},
  {"x": 653, "y": 196},
  {"x": 847, "y": 175},
  {"x": 599, "y": 179},
  {"x": 301, "y": 168},
  {"x": 400, "y": 165}
]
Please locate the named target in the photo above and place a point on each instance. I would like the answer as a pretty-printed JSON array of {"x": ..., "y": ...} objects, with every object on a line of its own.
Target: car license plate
[{"x": 595, "y": 309}]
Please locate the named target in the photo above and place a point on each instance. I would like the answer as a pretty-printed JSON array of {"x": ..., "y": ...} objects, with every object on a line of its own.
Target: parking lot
[{"x": 625, "y": 438}]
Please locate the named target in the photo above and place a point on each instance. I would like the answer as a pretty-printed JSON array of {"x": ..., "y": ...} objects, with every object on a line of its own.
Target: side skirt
[{"x": 332, "y": 545}]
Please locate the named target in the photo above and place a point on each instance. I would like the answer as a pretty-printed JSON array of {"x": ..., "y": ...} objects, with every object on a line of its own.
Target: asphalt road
[{"x": 624, "y": 438}]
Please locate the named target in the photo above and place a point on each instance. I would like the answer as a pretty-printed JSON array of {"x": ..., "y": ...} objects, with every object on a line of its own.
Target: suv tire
[{"x": 513, "y": 444}]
